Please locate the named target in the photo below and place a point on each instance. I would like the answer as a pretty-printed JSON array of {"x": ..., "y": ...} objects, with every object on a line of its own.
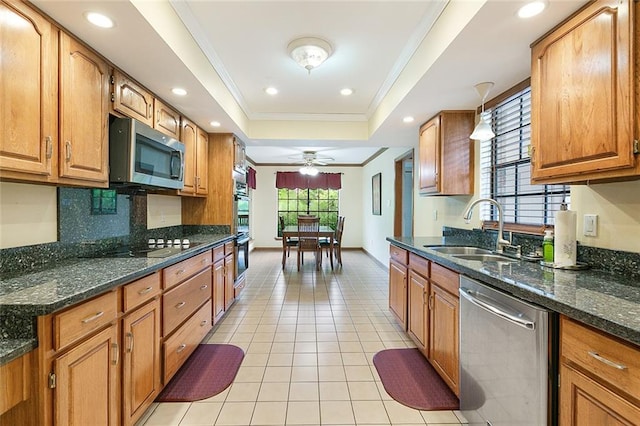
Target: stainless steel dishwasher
[{"x": 507, "y": 359}]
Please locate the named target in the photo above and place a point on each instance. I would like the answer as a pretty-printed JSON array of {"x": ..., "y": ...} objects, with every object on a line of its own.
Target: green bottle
[{"x": 547, "y": 246}]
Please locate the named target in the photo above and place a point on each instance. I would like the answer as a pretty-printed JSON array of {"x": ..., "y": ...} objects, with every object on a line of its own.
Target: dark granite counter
[
  {"x": 26, "y": 295},
  {"x": 607, "y": 301}
]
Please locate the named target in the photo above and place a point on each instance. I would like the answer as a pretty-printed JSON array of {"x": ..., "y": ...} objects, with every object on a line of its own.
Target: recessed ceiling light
[
  {"x": 215, "y": 123},
  {"x": 532, "y": 8},
  {"x": 346, "y": 91},
  {"x": 99, "y": 20},
  {"x": 408, "y": 119},
  {"x": 271, "y": 91},
  {"x": 178, "y": 91}
]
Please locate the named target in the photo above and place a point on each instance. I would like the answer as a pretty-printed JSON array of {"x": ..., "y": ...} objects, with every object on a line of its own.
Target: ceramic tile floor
[{"x": 309, "y": 338}]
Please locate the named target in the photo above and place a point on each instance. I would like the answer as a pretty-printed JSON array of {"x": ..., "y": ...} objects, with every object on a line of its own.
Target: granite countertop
[
  {"x": 26, "y": 295},
  {"x": 604, "y": 300}
]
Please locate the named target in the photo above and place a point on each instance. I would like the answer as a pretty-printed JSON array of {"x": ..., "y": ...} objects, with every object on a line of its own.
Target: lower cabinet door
[
  {"x": 141, "y": 360},
  {"x": 444, "y": 353},
  {"x": 229, "y": 272},
  {"x": 86, "y": 391},
  {"x": 218, "y": 290},
  {"x": 584, "y": 402},
  {"x": 417, "y": 324}
]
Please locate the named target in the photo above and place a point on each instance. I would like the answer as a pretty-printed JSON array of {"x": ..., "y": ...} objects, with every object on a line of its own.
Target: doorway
[{"x": 403, "y": 209}]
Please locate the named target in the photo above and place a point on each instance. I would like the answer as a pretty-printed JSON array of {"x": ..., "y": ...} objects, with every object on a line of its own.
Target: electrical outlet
[{"x": 590, "y": 225}]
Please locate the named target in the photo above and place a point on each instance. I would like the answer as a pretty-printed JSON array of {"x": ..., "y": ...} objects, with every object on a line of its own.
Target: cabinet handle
[
  {"x": 116, "y": 353},
  {"x": 148, "y": 110},
  {"x": 203, "y": 323},
  {"x": 606, "y": 361},
  {"x": 130, "y": 336},
  {"x": 180, "y": 272},
  {"x": 181, "y": 348},
  {"x": 48, "y": 147},
  {"x": 67, "y": 144},
  {"x": 145, "y": 290},
  {"x": 532, "y": 152},
  {"x": 431, "y": 302},
  {"x": 93, "y": 317},
  {"x": 203, "y": 287},
  {"x": 180, "y": 305}
]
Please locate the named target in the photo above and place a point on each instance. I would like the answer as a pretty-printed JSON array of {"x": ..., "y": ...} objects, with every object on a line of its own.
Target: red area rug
[
  {"x": 209, "y": 370},
  {"x": 409, "y": 378}
]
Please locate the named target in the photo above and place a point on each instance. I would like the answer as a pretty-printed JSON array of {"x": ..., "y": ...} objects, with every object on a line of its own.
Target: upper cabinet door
[
  {"x": 582, "y": 90},
  {"x": 429, "y": 155},
  {"x": 131, "y": 99},
  {"x": 188, "y": 138},
  {"x": 29, "y": 81},
  {"x": 84, "y": 110},
  {"x": 202, "y": 162},
  {"x": 166, "y": 119}
]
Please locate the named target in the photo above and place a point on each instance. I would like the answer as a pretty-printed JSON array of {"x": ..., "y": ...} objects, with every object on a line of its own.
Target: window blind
[{"x": 505, "y": 168}]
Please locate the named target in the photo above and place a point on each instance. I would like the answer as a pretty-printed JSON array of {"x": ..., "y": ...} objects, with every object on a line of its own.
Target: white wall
[
  {"x": 377, "y": 228},
  {"x": 28, "y": 214},
  {"x": 264, "y": 205}
]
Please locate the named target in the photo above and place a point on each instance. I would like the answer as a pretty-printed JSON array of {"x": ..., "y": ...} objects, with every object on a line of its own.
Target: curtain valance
[
  {"x": 251, "y": 178},
  {"x": 293, "y": 180}
]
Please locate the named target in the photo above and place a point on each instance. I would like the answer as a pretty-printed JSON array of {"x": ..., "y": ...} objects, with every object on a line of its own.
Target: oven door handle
[
  {"x": 513, "y": 316},
  {"x": 242, "y": 241}
]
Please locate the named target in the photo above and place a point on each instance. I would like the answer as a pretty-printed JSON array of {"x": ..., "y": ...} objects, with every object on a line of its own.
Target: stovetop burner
[{"x": 158, "y": 249}]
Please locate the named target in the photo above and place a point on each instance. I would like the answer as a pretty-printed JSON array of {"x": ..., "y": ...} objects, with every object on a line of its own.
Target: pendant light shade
[{"x": 483, "y": 131}]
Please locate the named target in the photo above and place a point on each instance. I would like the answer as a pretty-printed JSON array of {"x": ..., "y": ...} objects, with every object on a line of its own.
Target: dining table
[{"x": 291, "y": 231}]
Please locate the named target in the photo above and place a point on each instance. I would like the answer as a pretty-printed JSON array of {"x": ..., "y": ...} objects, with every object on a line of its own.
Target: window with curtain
[
  {"x": 505, "y": 170},
  {"x": 318, "y": 202}
]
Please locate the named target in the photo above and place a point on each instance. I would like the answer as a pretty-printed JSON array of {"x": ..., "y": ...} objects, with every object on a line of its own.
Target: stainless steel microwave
[{"x": 142, "y": 156}]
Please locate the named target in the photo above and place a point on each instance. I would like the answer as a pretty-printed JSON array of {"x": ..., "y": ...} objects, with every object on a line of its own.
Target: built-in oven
[{"x": 241, "y": 227}]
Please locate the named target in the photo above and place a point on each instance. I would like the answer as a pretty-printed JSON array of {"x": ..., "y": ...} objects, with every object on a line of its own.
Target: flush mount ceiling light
[
  {"x": 532, "y": 8},
  {"x": 179, "y": 91},
  {"x": 99, "y": 20},
  {"x": 408, "y": 119},
  {"x": 309, "y": 52},
  {"x": 346, "y": 91},
  {"x": 483, "y": 131},
  {"x": 215, "y": 123},
  {"x": 271, "y": 91}
]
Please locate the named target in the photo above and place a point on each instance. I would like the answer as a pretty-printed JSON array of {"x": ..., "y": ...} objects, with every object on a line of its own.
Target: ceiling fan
[{"x": 309, "y": 159}]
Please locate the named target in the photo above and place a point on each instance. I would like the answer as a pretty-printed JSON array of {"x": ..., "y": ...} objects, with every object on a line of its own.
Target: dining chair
[
  {"x": 309, "y": 239},
  {"x": 337, "y": 241},
  {"x": 290, "y": 241}
]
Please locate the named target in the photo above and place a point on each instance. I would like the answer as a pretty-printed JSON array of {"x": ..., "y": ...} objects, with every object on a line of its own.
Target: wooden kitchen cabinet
[
  {"x": 444, "y": 308},
  {"x": 585, "y": 96},
  {"x": 130, "y": 98},
  {"x": 28, "y": 111},
  {"x": 84, "y": 112},
  {"x": 86, "y": 382},
  {"x": 140, "y": 360},
  {"x": 54, "y": 123},
  {"x": 398, "y": 284},
  {"x": 218, "y": 283},
  {"x": 239, "y": 156},
  {"x": 418, "y": 294},
  {"x": 229, "y": 275},
  {"x": 166, "y": 119},
  {"x": 446, "y": 154},
  {"x": 141, "y": 368},
  {"x": 14, "y": 381},
  {"x": 196, "y": 144},
  {"x": 599, "y": 378}
]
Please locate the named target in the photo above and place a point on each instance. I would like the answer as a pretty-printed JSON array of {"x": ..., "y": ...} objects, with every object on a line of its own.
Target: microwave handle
[{"x": 180, "y": 156}]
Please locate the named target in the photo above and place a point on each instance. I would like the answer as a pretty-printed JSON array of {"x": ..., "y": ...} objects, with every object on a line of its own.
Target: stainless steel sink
[
  {"x": 484, "y": 257},
  {"x": 459, "y": 250}
]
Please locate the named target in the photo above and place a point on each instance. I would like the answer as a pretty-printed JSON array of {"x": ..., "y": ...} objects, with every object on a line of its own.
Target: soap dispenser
[{"x": 547, "y": 246}]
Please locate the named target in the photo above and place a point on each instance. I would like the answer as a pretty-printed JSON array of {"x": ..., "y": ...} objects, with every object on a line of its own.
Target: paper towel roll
[{"x": 564, "y": 245}]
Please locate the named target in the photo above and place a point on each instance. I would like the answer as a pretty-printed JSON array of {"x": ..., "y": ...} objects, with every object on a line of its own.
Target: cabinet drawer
[
  {"x": 419, "y": 264},
  {"x": 218, "y": 253},
  {"x": 139, "y": 291},
  {"x": 179, "y": 272},
  {"x": 228, "y": 248},
  {"x": 446, "y": 278},
  {"x": 77, "y": 322},
  {"x": 177, "y": 348},
  {"x": 398, "y": 254},
  {"x": 610, "y": 360},
  {"x": 182, "y": 301}
]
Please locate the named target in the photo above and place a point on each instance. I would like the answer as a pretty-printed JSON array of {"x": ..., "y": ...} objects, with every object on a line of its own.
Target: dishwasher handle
[{"x": 512, "y": 316}]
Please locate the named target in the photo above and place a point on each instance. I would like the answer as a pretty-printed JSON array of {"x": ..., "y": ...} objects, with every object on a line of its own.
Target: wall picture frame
[{"x": 376, "y": 194}]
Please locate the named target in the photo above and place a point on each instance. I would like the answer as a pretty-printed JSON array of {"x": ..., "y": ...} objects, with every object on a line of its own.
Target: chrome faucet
[{"x": 500, "y": 242}]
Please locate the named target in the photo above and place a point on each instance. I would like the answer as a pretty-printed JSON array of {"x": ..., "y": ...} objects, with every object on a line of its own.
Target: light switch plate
[{"x": 590, "y": 228}]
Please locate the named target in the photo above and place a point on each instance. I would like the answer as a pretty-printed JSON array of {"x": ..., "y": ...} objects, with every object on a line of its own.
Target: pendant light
[{"x": 483, "y": 131}]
